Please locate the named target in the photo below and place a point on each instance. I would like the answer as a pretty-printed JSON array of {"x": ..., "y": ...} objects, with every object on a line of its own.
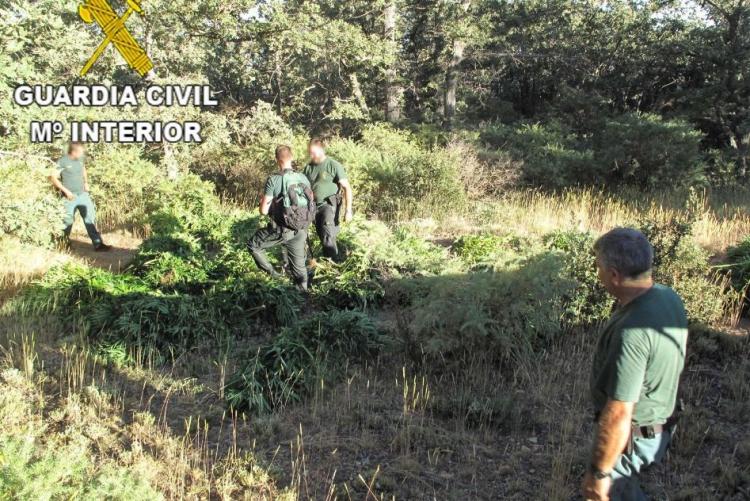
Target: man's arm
[
  {"x": 349, "y": 197},
  {"x": 612, "y": 437},
  {"x": 55, "y": 180},
  {"x": 265, "y": 205}
]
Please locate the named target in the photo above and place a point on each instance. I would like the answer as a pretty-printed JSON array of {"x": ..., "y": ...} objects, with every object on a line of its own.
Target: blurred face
[
  {"x": 317, "y": 153},
  {"x": 76, "y": 152}
]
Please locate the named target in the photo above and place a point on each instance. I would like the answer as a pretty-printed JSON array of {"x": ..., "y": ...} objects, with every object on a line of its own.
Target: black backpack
[{"x": 295, "y": 205}]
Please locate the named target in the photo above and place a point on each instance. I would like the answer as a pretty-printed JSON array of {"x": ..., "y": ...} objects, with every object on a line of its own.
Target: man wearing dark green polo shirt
[
  {"x": 276, "y": 233},
  {"x": 639, "y": 357},
  {"x": 331, "y": 188},
  {"x": 71, "y": 179}
]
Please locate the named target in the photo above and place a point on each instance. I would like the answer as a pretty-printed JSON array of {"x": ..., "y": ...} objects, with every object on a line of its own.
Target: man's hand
[
  {"x": 69, "y": 195},
  {"x": 594, "y": 489},
  {"x": 86, "y": 186},
  {"x": 348, "y": 216},
  {"x": 612, "y": 435}
]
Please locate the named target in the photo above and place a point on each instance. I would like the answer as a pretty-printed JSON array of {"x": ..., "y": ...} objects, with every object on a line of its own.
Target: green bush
[
  {"x": 122, "y": 183},
  {"x": 589, "y": 302},
  {"x": 375, "y": 256},
  {"x": 647, "y": 151},
  {"x": 288, "y": 367},
  {"x": 484, "y": 250},
  {"x": 112, "y": 307},
  {"x": 738, "y": 264},
  {"x": 38, "y": 461},
  {"x": 682, "y": 264},
  {"x": 187, "y": 206},
  {"x": 238, "y": 154},
  {"x": 30, "y": 210},
  {"x": 501, "y": 315},
  {"x": 552, "y": 154},
  {"x": 394, "y": 176}
]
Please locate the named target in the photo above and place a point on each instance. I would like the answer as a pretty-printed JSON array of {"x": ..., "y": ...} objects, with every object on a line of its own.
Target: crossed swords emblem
[{"x": 114, "y": 28}]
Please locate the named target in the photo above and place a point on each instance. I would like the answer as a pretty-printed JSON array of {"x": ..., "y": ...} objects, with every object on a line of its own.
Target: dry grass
[{"x": 722, "y": 218}]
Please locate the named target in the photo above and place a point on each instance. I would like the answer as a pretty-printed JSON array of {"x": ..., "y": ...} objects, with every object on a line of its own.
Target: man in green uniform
[
  {"x": 276, "y": 233},
  {"x": 639, "y": 357},
  {"x": 331, "y": 188},
  {"x": 71, "y": 179}
]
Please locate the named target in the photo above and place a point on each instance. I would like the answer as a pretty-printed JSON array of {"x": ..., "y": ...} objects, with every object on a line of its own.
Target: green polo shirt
[
  {"x": 640, "y": 356},
  {"x": 71, "y": 174},
  {"x": 273, "y": 184},
  {"x": 325, "y": 178}
]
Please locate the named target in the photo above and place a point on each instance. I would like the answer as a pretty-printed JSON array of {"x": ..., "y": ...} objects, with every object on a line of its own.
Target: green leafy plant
[
  {"x": 288, "y": 367},
  {"x": 683, "y": 265},
  {"x": 500, "y": 315},
  {"x": 738, "y": 264},
  {"x": 30, "y": 210},
  {"x": 589, "y": 302}
]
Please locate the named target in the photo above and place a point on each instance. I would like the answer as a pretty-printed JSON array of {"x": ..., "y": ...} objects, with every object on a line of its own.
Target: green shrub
[
  {"x": 552, "y": 154},
  {"x": 187, "y": 206},
  {"x": 394, "y": 176},
  {"x": 287, "y": 368},
  {"x": 122, "y": 182},
  {"x": 647, "y": 151},
  {"x": 738, "y": 264},
  {"x": 484, "y": 249},
  {"x": 112, "y": 307},
  {"x": 30, "y": 210},
  {"x": 682, "y": 264},
  {"x": 31, "y": 470},
  {"x": 375, "y": 255},
  {"x": 238, "y": 154},
  {"x": 589, "y": 302},
  {"x": 500, "y": 315}
]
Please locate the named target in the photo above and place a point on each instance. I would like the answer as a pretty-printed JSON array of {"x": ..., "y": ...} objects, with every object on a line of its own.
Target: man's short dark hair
[
  {"x": 284, "y": 153},
  {"x": 316, "y": 141},
  {"x": 73, "y": 145},
  {"x": 626, "y": 250}
]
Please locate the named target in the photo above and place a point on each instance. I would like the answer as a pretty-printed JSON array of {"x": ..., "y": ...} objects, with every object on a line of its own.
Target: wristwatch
[{"x": 599, "y": 474}]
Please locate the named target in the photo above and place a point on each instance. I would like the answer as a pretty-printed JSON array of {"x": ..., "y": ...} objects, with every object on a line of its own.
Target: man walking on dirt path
[
  {"x": 71, "y": 179},
  {"x": 331, "y": 188},
  {"x": 280, "y": 187},
  {"x": 639, "y": 357}
]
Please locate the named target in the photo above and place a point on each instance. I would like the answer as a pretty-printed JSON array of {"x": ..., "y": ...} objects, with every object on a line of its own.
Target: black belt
[{"x": 652, "y": 430}]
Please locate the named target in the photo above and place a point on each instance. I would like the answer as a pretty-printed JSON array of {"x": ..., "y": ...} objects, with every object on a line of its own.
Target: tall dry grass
[{"x": 722, "y": 218}]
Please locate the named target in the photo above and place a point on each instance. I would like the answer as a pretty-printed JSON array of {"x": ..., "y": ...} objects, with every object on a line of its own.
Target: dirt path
[{"x": 124, "y": 247}]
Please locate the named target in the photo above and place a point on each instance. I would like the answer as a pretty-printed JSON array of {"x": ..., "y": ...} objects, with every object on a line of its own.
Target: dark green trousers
[
  {"x": 327, "y": 225},
  {"x": 294, "y": 246}
]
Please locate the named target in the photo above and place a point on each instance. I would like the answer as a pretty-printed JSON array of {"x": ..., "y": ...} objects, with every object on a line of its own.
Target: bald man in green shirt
[{"x": 639, "y": 357}]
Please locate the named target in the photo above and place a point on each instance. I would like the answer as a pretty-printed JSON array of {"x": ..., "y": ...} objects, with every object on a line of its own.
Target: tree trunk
[
  {"x": 451, "y": 80},
  {"x": 452, "y": 73},
  {"x": 392, "y": 90}
]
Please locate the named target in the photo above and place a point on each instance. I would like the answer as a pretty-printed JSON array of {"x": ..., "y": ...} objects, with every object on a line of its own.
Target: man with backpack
[
  {"x": 332, "y": 189},
  {"x": 289, "y": 201}
]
